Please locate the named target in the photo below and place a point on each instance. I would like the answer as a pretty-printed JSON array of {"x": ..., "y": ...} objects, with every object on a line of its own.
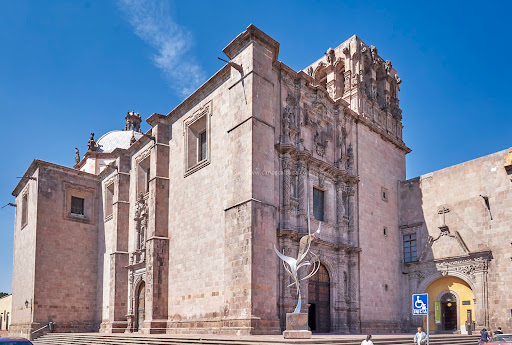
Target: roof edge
[{"x": 36, "y": 163}]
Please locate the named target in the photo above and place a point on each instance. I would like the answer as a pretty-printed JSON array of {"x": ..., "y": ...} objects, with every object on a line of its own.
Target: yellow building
[
  {"x": 5, "y": 312},
  {"x": 451, "y": 304}
]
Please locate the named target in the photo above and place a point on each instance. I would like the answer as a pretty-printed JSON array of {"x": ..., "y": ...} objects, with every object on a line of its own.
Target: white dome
[{"x": 116, "y": 140}]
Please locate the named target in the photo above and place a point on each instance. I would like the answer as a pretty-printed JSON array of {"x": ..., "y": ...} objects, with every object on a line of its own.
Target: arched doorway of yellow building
[{"x": 451, "y": 304}]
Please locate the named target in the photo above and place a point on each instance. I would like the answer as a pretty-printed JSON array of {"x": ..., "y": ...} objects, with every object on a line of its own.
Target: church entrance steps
[{"x": 328, "y": 339}]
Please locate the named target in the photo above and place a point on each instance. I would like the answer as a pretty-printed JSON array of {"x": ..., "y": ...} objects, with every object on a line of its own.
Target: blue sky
[{"x": 68, "y": 68}]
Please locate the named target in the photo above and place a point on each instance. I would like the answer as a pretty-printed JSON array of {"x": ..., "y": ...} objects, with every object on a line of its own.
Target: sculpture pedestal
[{"x": 297, "y": 326}]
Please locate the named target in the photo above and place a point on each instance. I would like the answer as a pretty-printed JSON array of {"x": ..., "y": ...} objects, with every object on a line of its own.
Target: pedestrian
[
  {"x": 484, "y": 337},
  {"x": 498, "y": 331},
  {"x": 421, "y": 337},
  {"x": 368, "y": 340}
]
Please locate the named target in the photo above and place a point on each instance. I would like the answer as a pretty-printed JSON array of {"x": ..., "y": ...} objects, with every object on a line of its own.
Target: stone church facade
[{"x": 173, "y": 230}]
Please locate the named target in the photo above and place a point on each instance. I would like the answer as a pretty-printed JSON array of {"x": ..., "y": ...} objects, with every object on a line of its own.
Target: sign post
[{"x": 420, "y": 307}]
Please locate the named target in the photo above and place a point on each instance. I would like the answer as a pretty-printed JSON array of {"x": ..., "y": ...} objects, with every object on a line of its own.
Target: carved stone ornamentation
[
  {"x": 141, "y": 224},
  {"x": 91, "y": 144},
  {"x": 331, "y": 56},
  {"x": 77, "y": 156},
  {"x": 388, "y": 66},
  {"x": 320, "y": 143}
]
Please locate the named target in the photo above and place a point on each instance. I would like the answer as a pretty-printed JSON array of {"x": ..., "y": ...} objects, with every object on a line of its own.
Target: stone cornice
[
  {"x": 296, "y": 236},
  {"x": 36, "y": 163},
  {"x": 251, "y": 33}
]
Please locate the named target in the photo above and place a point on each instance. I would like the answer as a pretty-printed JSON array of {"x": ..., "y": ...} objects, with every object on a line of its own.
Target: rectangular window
[
  {"x": 384, "y": 194},
  {"x": 109, "y": 200},
  {"x": 197, "y": 135},
  {"x": 318, "y": 204},
  {"x": 410, "y": 252},
  {"x": 24, "y": 210},
  {"x": 77, "y": 206},
  {"x": 202, "y": 146}
]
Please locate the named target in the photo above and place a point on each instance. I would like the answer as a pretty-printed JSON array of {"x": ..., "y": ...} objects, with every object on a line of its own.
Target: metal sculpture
[{"x": 292, "y": 265}]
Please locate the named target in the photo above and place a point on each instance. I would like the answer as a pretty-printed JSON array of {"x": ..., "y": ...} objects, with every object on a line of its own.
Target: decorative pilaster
[
  {"x": 302, "y": 175},
  {"x": 351, "y": 214}
]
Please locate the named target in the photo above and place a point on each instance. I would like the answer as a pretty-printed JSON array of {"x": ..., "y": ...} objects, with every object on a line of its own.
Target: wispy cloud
[{"x": 152, "y": 21}]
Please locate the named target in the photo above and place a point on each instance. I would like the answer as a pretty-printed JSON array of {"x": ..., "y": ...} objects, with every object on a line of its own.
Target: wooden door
[{"x": 319, "y": 298}]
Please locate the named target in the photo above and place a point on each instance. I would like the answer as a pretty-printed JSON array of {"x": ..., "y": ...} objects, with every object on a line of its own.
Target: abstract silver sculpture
[{"x": 292, "y": 265}]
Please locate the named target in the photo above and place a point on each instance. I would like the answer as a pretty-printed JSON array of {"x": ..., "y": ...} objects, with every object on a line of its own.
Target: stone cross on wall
[{"x": 444, "y": 210}]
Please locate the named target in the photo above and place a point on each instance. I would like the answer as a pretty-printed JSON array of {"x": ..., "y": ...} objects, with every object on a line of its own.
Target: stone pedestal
[{"x": 297, "y": 326}]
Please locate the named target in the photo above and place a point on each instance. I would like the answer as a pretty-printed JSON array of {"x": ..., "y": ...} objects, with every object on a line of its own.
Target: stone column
[
  {"x": 157, "y": 243},
  {"x": 287, "y": 165}
]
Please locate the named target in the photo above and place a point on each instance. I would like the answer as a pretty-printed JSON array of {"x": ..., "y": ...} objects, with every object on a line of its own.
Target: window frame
[
  {"x": 407, "y": 245},
  {"x": 322, "y": 219},
  {"x": 24, "y": 209},
  {"x": 82, "y": 214},
  {"x": 192, "y": 130},
  {"x": 384, "y": 194},
  {"x": 90, "y": 202},
  {"x": 108, "y": 205}
]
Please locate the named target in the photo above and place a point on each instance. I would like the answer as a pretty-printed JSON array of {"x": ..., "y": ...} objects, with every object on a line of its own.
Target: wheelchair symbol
[{"x": 418, "y": 304}]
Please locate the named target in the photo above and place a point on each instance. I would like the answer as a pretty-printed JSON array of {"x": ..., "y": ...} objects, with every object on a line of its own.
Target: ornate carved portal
[
  {"x": 473, "y": 269},
  {"x": 137, "y": 267}
]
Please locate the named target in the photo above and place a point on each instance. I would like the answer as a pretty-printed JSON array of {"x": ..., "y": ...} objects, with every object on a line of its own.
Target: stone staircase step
[{"x": 112, "y": 339}]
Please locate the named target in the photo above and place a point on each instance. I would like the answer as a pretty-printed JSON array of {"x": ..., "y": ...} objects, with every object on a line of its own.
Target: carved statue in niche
[
  {"x": 388, "y": 67},
  {"x": 331, "y": 56},
  {"x": 286, "y": 128},
  {"x": 141, "y": 219},
  {"x": 289, "y": 110},
  {"x": 350, "y": 155},
  {"x": 309, "y": 71},
  {"x": 374, "y": 53}
]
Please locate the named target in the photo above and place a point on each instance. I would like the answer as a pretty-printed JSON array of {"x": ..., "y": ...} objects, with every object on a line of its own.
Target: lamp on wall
[{"x": 26, "y": 304}]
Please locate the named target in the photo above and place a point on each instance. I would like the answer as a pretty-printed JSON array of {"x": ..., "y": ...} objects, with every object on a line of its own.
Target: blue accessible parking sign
[{"x": 420, "y": 304}]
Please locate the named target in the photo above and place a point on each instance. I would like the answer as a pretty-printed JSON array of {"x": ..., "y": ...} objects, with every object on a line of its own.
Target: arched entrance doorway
[
  {"x": 140, "y": 307},
  {"x": 451, "y": 304},
  {"x": 319, "y": 299},
  {"x": 448, "y": 302}
]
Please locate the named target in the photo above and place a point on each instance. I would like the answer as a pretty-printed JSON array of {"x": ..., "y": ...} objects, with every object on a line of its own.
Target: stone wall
[
  {"x": 57, "y": 252},
  {"x": 381, "y": 167},
  {"x": 451, "y": 210}
]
